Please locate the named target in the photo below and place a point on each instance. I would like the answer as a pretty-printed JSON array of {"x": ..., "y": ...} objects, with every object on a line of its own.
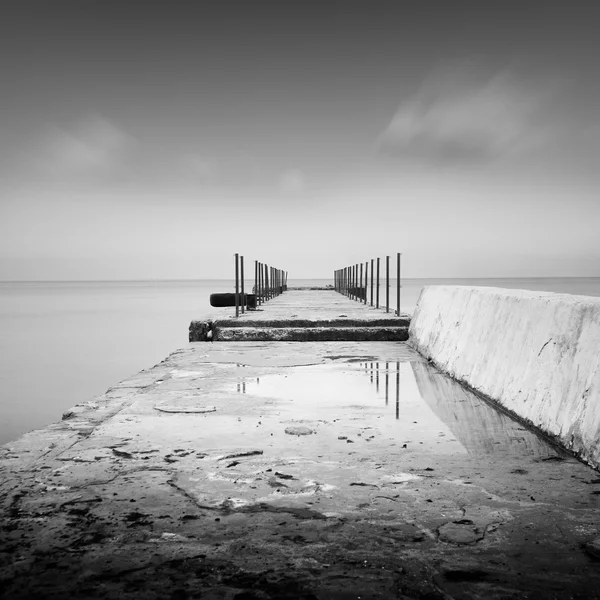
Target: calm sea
[{"x": 64, "y": 342}]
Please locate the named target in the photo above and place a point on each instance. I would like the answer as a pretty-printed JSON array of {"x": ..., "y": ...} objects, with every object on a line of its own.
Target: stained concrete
[
  {"x": 535, "y": 353},
  {"x": 284, "y": 470}
]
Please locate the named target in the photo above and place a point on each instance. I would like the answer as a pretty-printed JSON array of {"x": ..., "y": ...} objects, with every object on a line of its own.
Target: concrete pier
[
  {"x": 321, "y": 470},
  {"x": 302, "y": 315}
]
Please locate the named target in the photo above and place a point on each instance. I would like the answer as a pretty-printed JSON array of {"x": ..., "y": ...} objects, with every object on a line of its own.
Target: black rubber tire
[{"x": 228, "y": 299}]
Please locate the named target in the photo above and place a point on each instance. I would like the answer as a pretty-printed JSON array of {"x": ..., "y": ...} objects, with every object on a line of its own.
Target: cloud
[
  {"x": 292, "y": 181},
  {"x": 92, "y": 147},
  {"x": 457, "y": 115}
]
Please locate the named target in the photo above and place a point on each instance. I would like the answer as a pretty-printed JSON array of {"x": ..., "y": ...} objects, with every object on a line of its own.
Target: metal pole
[
  {"x": 387, "y": 284},
  {"x": 351, "y": 272},
  {"x": 377, "y": 291},
  {"x": 372, "y": 271},
  {"x": 243, "y": 296},
  {"x": 361, "y": 283},
  {"x": 398, "y": 285},
  {"x": 347, "y": 282},
  {"x": 237, "y": 285},
  {"x": 256, "y": 283},
  {"x": 351, "y": 282},
  {"x": 266, "y": 282},
  {"x": 261, "y": 277}
]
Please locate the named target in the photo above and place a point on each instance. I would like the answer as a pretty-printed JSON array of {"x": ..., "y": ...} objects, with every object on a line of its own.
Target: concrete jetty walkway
[
  {"x": 321, "y": 470},
  {"x": 304, "y": 315}
]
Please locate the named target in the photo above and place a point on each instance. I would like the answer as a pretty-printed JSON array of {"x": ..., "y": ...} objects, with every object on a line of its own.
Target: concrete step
[
  {"x": 309, "y": 334},
  {"x": 248, "y": 321},
  {"x": 203, "y": 331}
]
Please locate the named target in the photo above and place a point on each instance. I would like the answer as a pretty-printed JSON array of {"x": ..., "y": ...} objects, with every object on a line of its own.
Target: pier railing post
[
  {"x": 346, "y": 281},
  {"x": 266, "y": 282},
  {"x": 237, "y": 285},
  {"x": 372, "y": 269},
  {"x": 256, "y": 281},
  {"x": 377, "y": 289},
  {"x": 261, "y": 276},
  {"x": 243, "y": 295},
  {"x": 398, "y": 286},
  {"x": 360, "y": 287},
  {"x": 350, "y": 282},
  {"x": 387, "y": 284}
]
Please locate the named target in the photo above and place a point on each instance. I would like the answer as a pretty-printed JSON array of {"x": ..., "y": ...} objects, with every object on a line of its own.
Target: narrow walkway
[{"x": 304, "y": 315}]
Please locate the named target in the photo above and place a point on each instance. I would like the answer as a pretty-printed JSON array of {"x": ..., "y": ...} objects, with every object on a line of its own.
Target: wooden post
[
  {"x": 237, "y": 285},
  {"x": 366, "y": 280}
]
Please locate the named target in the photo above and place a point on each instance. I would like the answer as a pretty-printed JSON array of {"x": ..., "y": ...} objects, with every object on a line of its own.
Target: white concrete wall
[{"x": 536, "y": 353}]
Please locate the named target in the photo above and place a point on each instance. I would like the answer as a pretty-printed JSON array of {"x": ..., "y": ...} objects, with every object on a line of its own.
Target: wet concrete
[{"x": 284, "y": 470}]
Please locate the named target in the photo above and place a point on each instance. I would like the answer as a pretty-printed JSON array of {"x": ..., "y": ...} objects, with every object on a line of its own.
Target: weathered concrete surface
[
  {"x": 338, "y": 317},
  {"x": 312, "y": 334},
  {"x": 536, "y": 353},
  {"x": 282, "y": 470}
]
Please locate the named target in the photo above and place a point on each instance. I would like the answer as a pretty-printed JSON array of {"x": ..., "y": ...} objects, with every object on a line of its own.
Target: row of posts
[
  {"x": 353, "y": 281},
  {"x": 268, "y": 283}
]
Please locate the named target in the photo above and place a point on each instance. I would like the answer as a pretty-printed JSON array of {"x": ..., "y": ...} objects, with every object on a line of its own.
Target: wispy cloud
[
  {"x": 90, "y": 148},
  {"x": 458, "y": 115}
]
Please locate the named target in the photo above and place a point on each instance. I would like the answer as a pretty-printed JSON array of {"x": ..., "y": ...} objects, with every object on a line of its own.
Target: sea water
[{"x": 62, "y": 343}]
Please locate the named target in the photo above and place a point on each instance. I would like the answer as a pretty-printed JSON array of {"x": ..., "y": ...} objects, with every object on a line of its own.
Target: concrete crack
[{"x": 544, "y": 346}]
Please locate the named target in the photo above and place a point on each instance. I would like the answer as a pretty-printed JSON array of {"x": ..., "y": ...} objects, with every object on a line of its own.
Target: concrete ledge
[
  {"x": 535, "y": 353},
  {"x": 311, "y": 334},
  {"x": 249, "y": 322}
]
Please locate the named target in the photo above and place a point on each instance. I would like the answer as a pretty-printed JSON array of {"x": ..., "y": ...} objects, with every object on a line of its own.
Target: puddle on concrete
[{"x": 410, "y": 402}]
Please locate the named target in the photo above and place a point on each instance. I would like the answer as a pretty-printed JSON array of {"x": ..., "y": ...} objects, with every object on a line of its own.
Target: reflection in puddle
[
  {"x": 409, "y": 402},
  {"x": 478, "y": 426}
]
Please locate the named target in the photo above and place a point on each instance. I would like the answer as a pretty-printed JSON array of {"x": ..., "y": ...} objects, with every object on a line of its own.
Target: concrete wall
[{"x": 536, "y": 353}]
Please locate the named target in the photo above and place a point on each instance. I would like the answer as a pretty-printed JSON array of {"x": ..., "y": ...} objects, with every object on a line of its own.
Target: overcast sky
[{"x": 155, "y": 139}]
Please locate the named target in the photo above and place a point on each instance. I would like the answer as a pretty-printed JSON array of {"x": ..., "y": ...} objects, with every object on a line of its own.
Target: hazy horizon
[
  {"x": 291, "y": 279},
  {"x": 152, "y": 140}
]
